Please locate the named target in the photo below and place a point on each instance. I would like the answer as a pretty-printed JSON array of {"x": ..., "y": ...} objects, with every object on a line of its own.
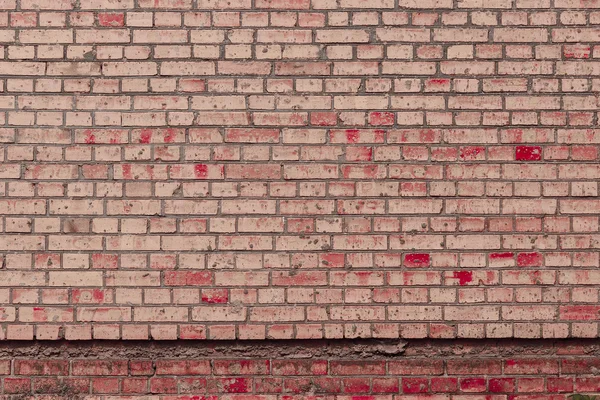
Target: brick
[
  {"x": 520, "y": 35},
  {"x": 299, "y": 367},
  {"x": 185, "y": 367},
  {"x": 99, "y": 367},
  {"x": 41, "y": 367},
  {"x": 531, "y": 366},
  {"x": 431, "y": 4},
  {"x": 51, "y": 36},
  {"x": 474, "y": 367},
  {"x": 61, "y": 278},
  {"x": 416, "y": 367},
  {"x": 15, "y": 278},
  {"x": 410, "y": 35},
  {"x": 480, "y": 313},
  {"x": 357, "y": 368},
  {"x": 187, "y": 68},
  {"x": 20, "y": 243},
  {"x": 219, "y": 314},
  {"x": 160, "y": 314},
  {"x": 485, "y": 4},
  {"x": 129, "y": 69},
  {"x": 358, "y": 4}
]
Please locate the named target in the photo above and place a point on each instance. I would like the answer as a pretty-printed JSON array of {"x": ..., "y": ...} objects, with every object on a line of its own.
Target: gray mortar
[
  {"x": 294, "y": 349},
  {"x": 291, "y": 349}
]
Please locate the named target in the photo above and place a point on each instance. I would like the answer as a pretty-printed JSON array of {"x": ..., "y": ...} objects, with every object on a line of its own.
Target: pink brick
[{"x": 174, "y": 169}]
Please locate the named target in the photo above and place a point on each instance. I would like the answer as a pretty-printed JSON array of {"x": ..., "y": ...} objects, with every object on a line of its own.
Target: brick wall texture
[
  {"x": 278, "y": 169},
  {"x": 426, "y": 371}
]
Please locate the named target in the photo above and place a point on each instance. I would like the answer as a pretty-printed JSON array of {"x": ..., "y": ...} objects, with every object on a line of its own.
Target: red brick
[
  {"x": 531, "y": 366},
  {"x": 46, "y": 367},
  {"x": 188, "y": 367},
  {"x": 99, "y": 367},
  {"x": 416, "y": 367},
  {"x": 528, "y": 153},
  {"x": 241, "y": 367},
  {"x": 357, "y": 368}
]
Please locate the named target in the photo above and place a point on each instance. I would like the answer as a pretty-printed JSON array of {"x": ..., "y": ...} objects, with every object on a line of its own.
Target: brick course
[
  {"x": 307, "y": 169},
  {"x": 457, "y": 370}
]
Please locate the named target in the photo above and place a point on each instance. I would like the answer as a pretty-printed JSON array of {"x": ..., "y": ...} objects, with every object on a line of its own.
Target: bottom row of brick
[
  {"x": 291, "y": 397},
  {"x": 265, "y": 389},
  {"x": 493, "y": 330},
  {"x": 426, "y": 376}
]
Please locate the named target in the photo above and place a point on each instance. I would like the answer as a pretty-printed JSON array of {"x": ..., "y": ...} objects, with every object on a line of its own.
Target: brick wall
[
  {"x": 436, "y": 370},
  {"x": 299, "y": 169}
]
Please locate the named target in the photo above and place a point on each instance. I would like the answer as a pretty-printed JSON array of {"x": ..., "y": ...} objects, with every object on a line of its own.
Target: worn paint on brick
[{"x": 305, "y": 169}]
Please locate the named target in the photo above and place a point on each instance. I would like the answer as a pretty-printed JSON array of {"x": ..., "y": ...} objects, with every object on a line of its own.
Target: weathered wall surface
[
  {"x": 299, "y": 169},
  {"x": 314, "y": 370},
  {"x": 223, "y": 170}
]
